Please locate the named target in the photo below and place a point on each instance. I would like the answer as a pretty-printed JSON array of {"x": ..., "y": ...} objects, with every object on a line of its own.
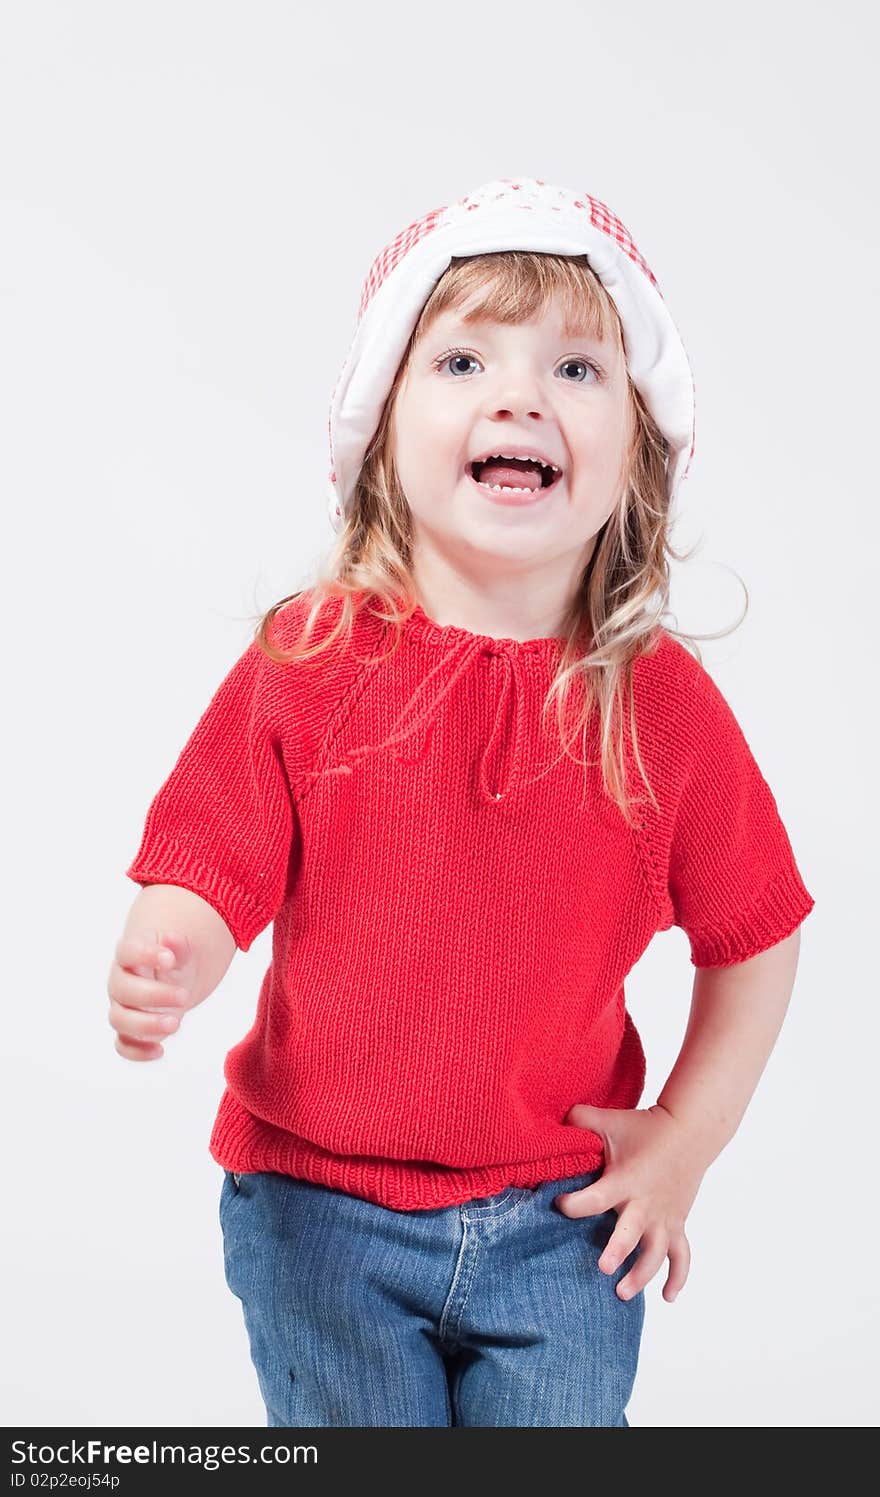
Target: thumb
[
  {"x": 174, "y": 949},
  {"x": 583, "y": 1115}
]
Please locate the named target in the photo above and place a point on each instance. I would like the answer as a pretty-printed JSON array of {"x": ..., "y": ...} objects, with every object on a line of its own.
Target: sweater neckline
[
  {"x": 456, "y": 652},
  {"x": 450, "y": 636}
]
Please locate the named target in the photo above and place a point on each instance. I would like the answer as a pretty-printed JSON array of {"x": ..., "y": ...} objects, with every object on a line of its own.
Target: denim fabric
[{"x": 491, "y": 1313}]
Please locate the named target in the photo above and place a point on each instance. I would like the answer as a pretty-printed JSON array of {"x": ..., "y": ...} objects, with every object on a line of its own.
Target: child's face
[{"x": 563, "y": 398}]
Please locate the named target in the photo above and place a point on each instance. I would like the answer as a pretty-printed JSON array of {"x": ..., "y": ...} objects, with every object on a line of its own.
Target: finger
[
  {"x": 137, "y": 952},
  {"x": 592, "y": 1200},
  {"x": 623, "y": 1239},
  {"x": 172, "y": 950},
  {"x": 650, "y": 1258},
  {"x": 131, "y": 1049},
  {"x": 679, "y": 1267},
  {"x": 138, "y": 1024},
  {"x": 583, "y": 1115},
  {"x": 146, "y": 992}
]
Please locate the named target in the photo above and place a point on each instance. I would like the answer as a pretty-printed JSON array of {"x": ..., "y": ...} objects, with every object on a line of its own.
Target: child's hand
[
  {"x": 653, "y": 1170},
  {"x": 150, "y": 985}
]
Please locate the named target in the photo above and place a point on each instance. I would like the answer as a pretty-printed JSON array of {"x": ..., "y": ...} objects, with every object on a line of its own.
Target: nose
[
  {"x": 515, "y": 410},
  {"x": 517, "y": 396}
]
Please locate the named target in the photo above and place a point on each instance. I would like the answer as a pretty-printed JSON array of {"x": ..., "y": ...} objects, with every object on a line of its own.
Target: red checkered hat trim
[
  {"x": 394, "y": 252},
  {"x": 598, "y": 213}
]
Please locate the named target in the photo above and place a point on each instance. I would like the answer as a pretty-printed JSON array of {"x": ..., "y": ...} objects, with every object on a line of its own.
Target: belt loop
[{"x": 237, "y": 1179}]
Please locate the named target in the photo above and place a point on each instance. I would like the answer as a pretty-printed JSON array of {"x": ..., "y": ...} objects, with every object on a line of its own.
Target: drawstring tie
[{"x": 422, "y": 717}]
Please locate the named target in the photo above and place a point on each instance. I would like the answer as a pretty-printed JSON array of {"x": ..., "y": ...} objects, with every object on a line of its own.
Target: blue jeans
[{"x": 491, "y": 1313}]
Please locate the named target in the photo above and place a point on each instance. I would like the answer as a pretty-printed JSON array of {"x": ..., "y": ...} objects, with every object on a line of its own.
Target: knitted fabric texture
[{"x": 456, "y": 903}]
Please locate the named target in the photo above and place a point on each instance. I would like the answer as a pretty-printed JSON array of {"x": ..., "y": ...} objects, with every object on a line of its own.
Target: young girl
[{"x": 441, "y": 1203}]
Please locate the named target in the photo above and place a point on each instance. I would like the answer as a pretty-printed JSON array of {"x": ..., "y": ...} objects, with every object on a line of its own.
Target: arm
[
  {"x": 656, "y": 1157},
  {"x": 735, "y": 1018}
]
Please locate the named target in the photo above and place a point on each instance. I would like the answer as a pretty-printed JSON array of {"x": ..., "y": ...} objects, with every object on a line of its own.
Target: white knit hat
[{"x": 509, "y": 214}]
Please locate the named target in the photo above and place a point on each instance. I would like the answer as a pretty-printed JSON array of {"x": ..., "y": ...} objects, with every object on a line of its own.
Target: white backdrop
[{"x": 192, "y": 192}]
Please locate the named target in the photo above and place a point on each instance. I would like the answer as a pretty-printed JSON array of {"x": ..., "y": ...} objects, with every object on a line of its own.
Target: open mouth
[{"x": 549, "y": 477}]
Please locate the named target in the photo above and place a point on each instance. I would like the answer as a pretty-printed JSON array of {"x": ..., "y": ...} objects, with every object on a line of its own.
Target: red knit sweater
[{"x": 455, "y": 913}]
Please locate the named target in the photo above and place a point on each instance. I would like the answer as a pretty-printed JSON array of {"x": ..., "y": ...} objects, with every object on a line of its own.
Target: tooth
[
  {"x": 532, "y": 457},
  {"x": 503, "y": 488}
]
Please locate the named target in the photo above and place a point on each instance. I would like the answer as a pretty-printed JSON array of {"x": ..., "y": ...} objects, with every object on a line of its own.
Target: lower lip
[{"x": 517, "y": 498}]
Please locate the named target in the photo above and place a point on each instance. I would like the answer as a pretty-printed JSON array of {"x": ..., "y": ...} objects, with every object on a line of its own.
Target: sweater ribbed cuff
[
  {"x": 779, "y": 909},
  {"x": 169, "y": 862}
]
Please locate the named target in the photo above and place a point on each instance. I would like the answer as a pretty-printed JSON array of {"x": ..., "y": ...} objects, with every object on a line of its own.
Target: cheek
[
  {"x": 429, "y": 455},
  {"x": 599, "y": 459},
  {"x": 594, "y": 492}
]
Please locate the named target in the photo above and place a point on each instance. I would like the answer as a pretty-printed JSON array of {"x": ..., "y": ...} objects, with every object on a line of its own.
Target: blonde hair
[{"x": 623, "y": 591}]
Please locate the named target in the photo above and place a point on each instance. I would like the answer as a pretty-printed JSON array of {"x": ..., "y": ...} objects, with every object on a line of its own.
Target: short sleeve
[
  {"x": 734, "y": 885},
  {"x": 222, "y": 823}
]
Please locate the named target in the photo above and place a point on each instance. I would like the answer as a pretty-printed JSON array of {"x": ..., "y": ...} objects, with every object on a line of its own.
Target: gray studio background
[{"x": 191, "y": 195}]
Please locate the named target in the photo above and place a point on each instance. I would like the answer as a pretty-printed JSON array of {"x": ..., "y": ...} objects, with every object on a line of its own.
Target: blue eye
[
  {"x": 449, "y": 355},
  {"x": 573, "y": 363},
  {"x": 453, "y": 354}
]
